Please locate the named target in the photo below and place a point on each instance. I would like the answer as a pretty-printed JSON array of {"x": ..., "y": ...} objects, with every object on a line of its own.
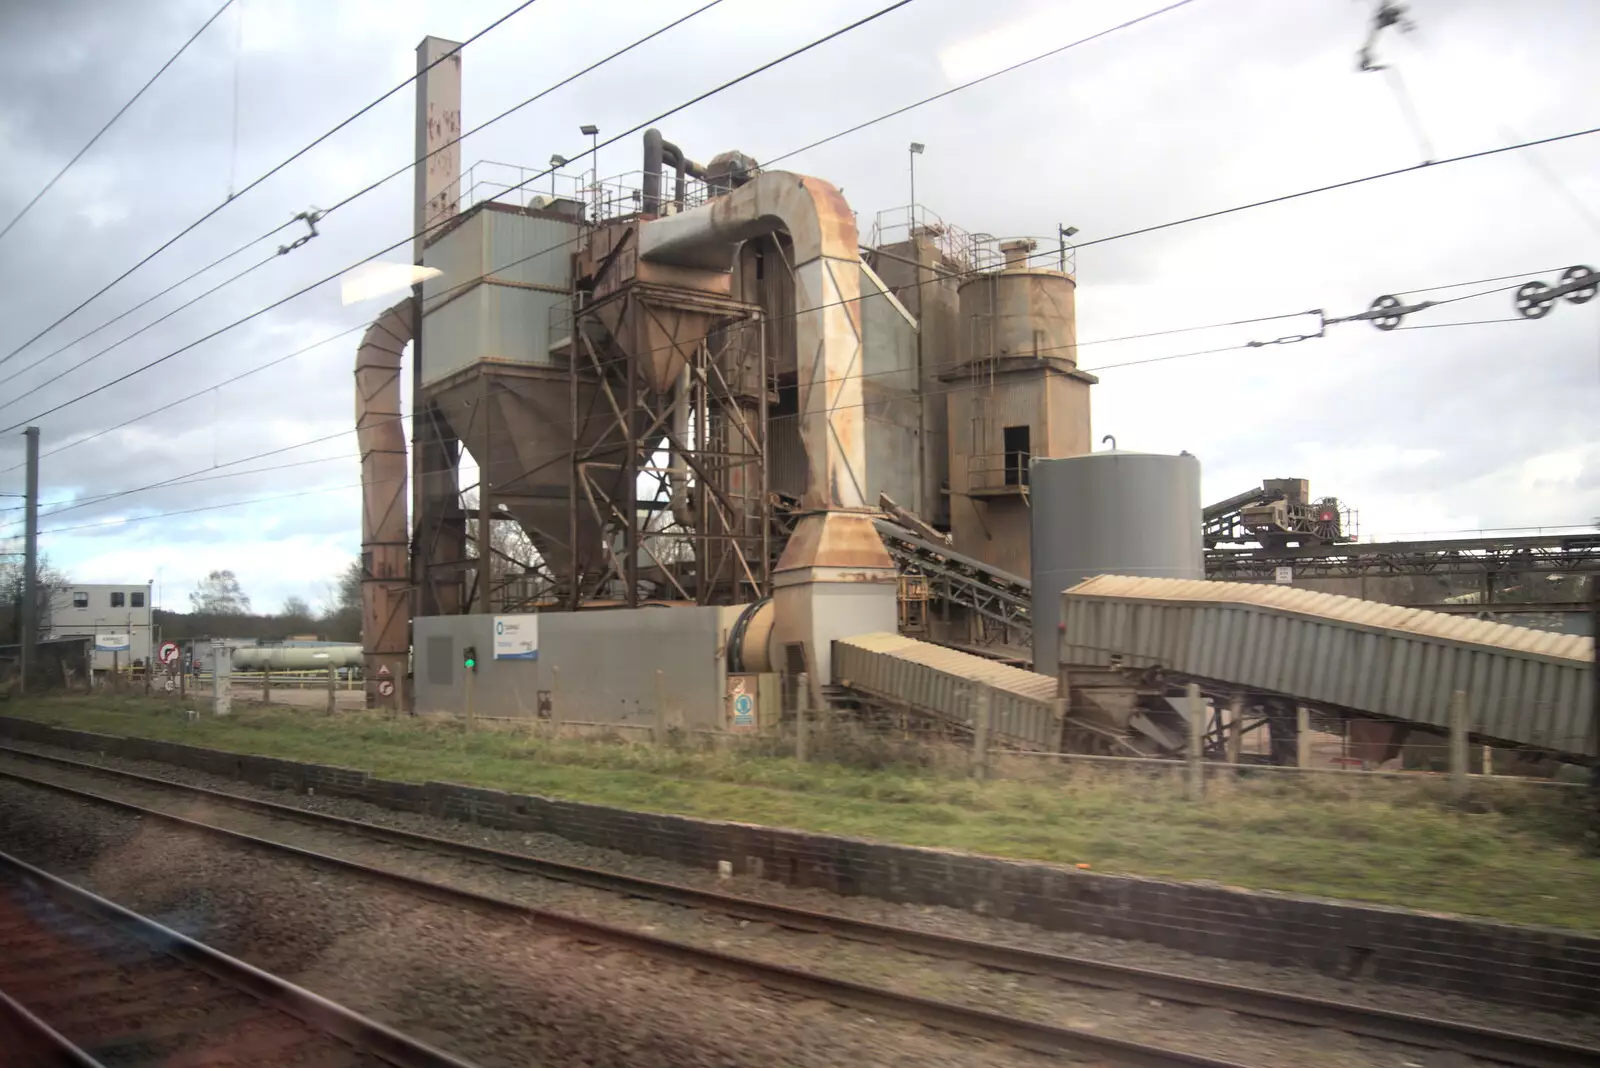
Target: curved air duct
[
  {"x": 827, "y": 271},
  {"x": 658, "y": 151},
  {"x": 385, "y": 537},
  {"x": 834, "y": 579}
]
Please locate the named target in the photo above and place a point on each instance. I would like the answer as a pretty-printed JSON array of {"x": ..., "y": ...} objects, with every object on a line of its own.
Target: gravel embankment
[
  {"x": 1206, "y": 1031},
  {"x": 495, "y": 992}
]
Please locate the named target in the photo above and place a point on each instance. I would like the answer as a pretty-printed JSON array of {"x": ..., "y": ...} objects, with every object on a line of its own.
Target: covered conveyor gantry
[{"x": 1353, "y": 658}]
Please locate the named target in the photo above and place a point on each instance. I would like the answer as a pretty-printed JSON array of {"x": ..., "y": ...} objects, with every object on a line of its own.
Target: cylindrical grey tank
[{"x": 1109, "y": 513}]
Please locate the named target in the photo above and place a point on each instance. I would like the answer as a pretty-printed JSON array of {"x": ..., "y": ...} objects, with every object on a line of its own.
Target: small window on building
[
  {"x": 1018, "y": 452},
  {"x": 80, "y": 599},
  {"x": 117, "y": 599},
  {"x": 136, "y": 599}
]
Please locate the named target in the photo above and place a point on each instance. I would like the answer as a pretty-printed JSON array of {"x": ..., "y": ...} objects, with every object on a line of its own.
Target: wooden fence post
[
  {"x": 980, "y": 734},
  {"x": 1302, "y": 736},
  {"x": 1458, "y": 745},
  {"x": 802, "y": 712},
  {"x": 1235, "y": 727},
  {"x": 1197, "y": 728},
  {"x": 333, "y": 688}
]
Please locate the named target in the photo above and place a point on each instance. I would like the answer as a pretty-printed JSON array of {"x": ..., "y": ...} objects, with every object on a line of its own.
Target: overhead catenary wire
[
  {"x": 336, "y": 207},
  {"x": 123, "y": 110},
  {"x": 1127, "y": 24},
  {"x": 1345, "y": 184},
  {"x": 1073, "y": 345},
  {"x": 730, "y": 83},
  {"x": 545, "y": 92},
  {"x": 1083, "y": 244},
  {"x": 181, "y": 234},
  {"x": 323, "y": 215},
  {"x": 207, "y": 474},
  {"x": 1274, "y": 200}
]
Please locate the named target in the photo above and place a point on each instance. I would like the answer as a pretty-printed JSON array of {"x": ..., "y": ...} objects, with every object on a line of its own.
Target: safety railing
[{"x": 998, "y": 472}]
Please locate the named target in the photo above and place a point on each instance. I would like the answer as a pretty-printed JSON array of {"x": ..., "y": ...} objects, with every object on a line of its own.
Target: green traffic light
[{"x": 471, "y": 662}]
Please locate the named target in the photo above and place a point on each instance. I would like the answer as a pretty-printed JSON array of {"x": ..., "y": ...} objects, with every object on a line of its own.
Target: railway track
[
  {"x": 84, "y": 982},
  {"x": 1504, "y": 1047}
]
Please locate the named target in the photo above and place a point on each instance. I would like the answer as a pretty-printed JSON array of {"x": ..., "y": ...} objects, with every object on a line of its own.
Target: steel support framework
[
  {"x": 1002, "y": 601},
  {"x": 724, "y": 555},
  {"x": 1553, "y": 554}
]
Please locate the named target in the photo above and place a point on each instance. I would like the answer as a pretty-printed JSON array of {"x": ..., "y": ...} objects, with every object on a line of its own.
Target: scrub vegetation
[{"x": 1515, "y": 852}]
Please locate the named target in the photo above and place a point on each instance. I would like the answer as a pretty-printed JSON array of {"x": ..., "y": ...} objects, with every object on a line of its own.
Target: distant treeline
[{"x": 343, "y": 625}]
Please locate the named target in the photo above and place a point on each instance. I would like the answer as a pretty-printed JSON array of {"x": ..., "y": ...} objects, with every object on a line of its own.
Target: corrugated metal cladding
[
  {"x": 940, "y": 681},
  {"x": 489, "y": 322},
  {"x": 786, "y": 456},
  {"x": 1524, "y": 686},
  {"x": 481, "y": 306}
]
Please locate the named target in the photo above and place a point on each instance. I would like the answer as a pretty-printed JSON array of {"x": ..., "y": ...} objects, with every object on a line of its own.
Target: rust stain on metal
[{"x": 385, "y": 540}]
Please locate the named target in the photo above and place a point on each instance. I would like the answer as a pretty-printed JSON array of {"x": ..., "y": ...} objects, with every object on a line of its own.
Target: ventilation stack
[{"x": 385, "y": 539}]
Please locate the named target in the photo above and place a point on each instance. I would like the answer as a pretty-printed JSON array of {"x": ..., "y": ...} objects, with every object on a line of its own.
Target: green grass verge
[{"x": 1515, "y": 855}]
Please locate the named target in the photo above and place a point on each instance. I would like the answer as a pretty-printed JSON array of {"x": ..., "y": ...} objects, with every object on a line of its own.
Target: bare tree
[
  {"x": 51, "y": 582},
  {"x": 219, "y": 595},
  {"x": 512, "y": 551}
]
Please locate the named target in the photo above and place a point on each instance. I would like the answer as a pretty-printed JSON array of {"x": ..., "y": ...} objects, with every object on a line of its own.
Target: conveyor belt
[
  {"x": 1524, "y": 687},
  {"x": 961, "y": 580}
]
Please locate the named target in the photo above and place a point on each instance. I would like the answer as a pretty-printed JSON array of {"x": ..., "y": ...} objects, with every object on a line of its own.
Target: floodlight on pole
[
  {"x": 911, "y": 211},
  {"x": 593, "y": 133}
]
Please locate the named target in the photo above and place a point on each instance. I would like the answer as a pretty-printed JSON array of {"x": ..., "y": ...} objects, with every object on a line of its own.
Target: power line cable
[
  {"x": 857, "y": 24},
  {"x": 1074, "y": 345},
  {"x": 1346, "y": 184},
  {"x": 262, "y": 178},
  {"x": 1144, "y": 230},
  {"x": 206, "y": 474},
  {"x": 671, "y": 25},
  {"x": 978, "y": 81},
  {"x": 343, "y": 203},
  {"x": 124, "y": 340},
  {"x": 134, "y": 99}
]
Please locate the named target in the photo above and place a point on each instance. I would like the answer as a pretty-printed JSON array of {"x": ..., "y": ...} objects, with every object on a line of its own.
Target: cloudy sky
[{"x": 1434, "y": 429}]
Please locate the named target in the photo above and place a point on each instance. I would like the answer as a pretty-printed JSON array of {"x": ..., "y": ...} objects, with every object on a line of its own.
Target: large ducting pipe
[
  {"x": 657, "y": 153},
  {"x": 385, "y": 540},
  {"x": 835, "y": 579}
]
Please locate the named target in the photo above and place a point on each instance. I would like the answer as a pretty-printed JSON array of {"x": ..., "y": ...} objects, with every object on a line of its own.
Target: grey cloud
[{"x": 1195, "y": 111}]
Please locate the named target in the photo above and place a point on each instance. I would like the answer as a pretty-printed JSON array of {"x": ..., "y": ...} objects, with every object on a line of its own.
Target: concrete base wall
[
  {"x": 1553, "y": 970},
  {"x": 648, "y": 667}
]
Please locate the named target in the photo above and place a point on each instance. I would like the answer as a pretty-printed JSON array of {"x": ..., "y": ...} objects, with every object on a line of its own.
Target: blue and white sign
[
  {"x": 744, "y": 710},
  {"x": 112, "y": 641},
  {"x": 516, "y": 637}
]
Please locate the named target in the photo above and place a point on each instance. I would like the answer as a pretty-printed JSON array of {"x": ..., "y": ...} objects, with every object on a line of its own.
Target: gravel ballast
[
  {"x": 1211, "y": 1032},
  {"x": 491, "y": 991}
]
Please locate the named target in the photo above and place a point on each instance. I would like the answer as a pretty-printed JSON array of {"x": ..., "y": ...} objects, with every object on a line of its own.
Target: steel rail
[
  {"x": 1525, "y": 1051},
  {"x": 40, "y": 1043},
  {"x": 940, "y": 1015},
  {"x": 362, "y": 1034}
]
